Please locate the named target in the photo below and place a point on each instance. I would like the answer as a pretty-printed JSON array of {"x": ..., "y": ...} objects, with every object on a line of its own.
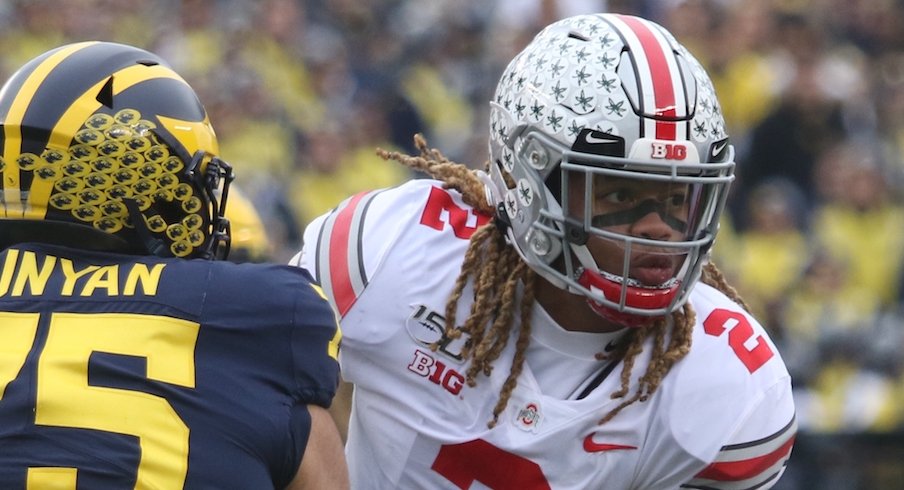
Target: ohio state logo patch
[{"x": 528, "y": 417}]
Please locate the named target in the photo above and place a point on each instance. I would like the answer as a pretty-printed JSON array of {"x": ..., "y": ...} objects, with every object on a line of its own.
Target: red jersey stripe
[
  {"x": 340, "y": 278},
  {"x": 745, "y": 468}
]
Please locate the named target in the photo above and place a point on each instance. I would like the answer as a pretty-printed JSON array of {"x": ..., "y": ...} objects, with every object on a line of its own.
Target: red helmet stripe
[{"x": 655, "y": 49}]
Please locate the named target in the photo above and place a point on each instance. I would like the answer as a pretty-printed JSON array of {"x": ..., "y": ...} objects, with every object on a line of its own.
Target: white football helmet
[{"x": 603, "y": 122}]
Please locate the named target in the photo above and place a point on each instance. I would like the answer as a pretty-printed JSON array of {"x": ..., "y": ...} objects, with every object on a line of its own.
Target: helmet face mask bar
[
  {"x": 585, "y": 244},
  {"x": 213, "y": 182},
  {"x": 626, "y": 266},
  {"x": 612, "y": 192}
]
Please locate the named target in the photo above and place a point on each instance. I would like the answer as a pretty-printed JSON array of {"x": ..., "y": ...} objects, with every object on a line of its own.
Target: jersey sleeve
[
  {"x": 727, "y": 418},
  {"x": 754, "y": 434},
  {"x": 752, "y": 459},
  {"x": 344, "y": 248},
  {"x": 315, "y": 346}
]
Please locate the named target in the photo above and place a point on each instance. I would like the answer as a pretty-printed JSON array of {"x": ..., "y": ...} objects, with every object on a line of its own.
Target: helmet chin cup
[
  {"x": 641, "y": 298},
  {"x": 620, "y": 317}
]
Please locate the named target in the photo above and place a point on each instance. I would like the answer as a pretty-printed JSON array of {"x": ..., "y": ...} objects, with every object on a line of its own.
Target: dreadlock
[{"x": 496, "y": 270}]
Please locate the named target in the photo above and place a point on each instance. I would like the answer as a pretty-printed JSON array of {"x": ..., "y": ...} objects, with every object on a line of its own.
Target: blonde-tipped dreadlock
[{"x": 496, "y": 269}]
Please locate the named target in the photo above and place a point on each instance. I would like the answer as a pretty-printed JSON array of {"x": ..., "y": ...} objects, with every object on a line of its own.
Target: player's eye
[
  {"x": 677, "y": 200},
  {"x": 618, "y": 196}
]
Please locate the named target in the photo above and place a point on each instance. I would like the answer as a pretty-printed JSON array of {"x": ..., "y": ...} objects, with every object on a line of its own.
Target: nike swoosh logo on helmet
[
  {"x": 718, "y": 148},
  {"x": 596, "y": 447}
]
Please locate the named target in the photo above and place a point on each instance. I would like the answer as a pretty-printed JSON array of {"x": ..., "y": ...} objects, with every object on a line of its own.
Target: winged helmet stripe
[
  {"x": 78, "y": 112},
  {"x": 12, "y": 133}
]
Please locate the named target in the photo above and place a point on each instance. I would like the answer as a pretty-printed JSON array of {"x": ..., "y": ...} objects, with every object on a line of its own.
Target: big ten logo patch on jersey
[
  {"x": 427, "y": 328},
  {"x": 436, "y": 371}
]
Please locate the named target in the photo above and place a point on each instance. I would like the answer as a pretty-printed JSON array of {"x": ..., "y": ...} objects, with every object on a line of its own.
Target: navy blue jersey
[{"x": 140, "y": 372}]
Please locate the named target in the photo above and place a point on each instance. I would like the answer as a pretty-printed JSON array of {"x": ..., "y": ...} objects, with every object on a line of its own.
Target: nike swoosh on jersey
[{"x": 594, "y": 447}]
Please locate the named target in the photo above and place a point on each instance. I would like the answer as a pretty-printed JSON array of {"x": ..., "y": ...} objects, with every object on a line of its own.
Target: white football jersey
[{"x": 723, "y": 418}]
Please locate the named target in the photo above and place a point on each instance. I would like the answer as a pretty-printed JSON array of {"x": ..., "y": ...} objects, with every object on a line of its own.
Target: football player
[
  {"x": 123, "y": 363},
  {"x": 554, "y": 322}
]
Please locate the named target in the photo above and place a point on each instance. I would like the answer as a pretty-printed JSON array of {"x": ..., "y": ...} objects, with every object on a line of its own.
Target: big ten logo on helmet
[
  {"x": 668, "y": 151},
  {"x": 427, "y": 327},
  {"x": 657, "y": 149}
]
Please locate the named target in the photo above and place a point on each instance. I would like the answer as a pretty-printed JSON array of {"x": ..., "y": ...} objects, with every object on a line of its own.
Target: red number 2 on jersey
[
  {"x": 740, "y": 333},
  {"x": 478, "y": 460},
  {"x": 457, "y": 217}
]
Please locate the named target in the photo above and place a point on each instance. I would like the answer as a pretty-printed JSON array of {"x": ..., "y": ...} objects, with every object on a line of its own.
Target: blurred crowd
[{"x": 301, "y": 92}]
